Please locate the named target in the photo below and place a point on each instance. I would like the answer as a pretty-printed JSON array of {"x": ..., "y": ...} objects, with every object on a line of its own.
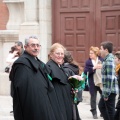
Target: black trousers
[
  {"x": 117, "y": 115},
  {"x": 11, "y": 89},
  {"x": 93, "y": 100},
  {"x": 107, "y": 108}
]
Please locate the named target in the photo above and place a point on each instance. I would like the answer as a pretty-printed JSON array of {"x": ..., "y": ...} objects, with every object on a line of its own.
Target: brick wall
[{"x": 4, "y": 15}]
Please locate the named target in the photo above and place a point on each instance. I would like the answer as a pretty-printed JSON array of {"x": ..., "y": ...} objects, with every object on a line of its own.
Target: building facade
[
  {"x": 22, "y": 18},
  {"x": 77, "y": 24}
]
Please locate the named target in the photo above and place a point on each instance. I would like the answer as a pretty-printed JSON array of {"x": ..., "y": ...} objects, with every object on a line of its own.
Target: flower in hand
[
  {"x": 77, "y": 83},
  {"x": 76, "y": 77}
]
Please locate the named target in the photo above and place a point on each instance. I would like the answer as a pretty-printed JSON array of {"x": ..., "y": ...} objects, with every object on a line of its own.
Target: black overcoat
[
  {"x": 62, "y": 89},
  {"x": 71, "y": 69},
  {"x": 31, "y": 90}
]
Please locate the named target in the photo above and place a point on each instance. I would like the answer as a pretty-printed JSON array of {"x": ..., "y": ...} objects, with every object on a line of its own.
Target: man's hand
[{"x": 15, "y": 53}]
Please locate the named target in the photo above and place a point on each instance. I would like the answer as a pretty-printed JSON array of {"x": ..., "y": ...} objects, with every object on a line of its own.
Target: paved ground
[
  {"x": 6, "y": 107},
  {"x": 85, "y": 114}
]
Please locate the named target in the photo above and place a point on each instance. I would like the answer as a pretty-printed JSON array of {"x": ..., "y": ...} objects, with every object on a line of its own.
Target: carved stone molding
[
  {"x": 9, "y": 36},
  {"x": 16, "y": 13}
]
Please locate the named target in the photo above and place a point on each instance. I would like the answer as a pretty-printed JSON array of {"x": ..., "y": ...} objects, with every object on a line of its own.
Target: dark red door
[
  {"x": 108, "y": 21},
  {"x": 79, "y": 24}
]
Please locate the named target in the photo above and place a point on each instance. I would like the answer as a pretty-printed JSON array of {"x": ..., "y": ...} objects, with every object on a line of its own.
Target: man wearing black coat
[{"x": 31, "y": 85}]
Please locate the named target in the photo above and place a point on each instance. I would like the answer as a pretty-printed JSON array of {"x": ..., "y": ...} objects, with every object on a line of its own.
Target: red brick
[{"x": 4, "y": 15}]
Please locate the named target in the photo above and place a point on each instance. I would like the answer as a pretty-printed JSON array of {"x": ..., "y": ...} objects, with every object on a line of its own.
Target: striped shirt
[{"x": 109, "y": 80}]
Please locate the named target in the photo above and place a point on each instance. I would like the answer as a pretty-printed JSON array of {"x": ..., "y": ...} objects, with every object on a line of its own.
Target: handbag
[{"x": 7, "y": 69}]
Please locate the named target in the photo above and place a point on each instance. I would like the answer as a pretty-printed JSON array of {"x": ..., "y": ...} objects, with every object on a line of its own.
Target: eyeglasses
[
  {"x": 62, "y": 54},
  {"x": 34, "y": 45}
]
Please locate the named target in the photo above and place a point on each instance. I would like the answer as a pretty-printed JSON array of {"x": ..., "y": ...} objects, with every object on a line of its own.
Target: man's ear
[
  {"x": 106, "y": 50},
  {"x": 25, "y": 46}
]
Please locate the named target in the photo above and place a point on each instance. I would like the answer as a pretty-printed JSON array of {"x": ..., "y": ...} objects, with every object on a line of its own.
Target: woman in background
[
  {"x": 93, "y": 69},
  {"x": 72, "y": 68},
  {"x": 14, "y": 53}
]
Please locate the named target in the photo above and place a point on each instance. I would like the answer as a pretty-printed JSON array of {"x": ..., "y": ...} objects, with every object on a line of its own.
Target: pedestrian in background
[
  {"x": 19, "y": 47},
  {"x": 117, "y": 62},
  {"x": 93, "y": 69},
  {"x": 109, "y": 81},
  {"x": 73, "y": 68},
  {"x": 14, "y": 53}
]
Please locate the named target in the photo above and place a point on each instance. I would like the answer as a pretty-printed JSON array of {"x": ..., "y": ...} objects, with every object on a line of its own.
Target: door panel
[
  {"x": 110, "y": 27},
  {"x": 108, "y": 22},
  {"x": 80, "y": 24},
  {"x": 73, "y": 26},
  {"x": 75, "y": 35}
]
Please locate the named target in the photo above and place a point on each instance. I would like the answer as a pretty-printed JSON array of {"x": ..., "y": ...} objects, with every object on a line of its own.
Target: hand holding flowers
[{"x": 78, "y": 83}]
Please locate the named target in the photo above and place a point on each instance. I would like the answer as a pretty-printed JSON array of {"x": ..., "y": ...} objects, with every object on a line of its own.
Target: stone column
[
  {"x": 31, "y": 11},
  {"x": 30, "y": 26},
  {"x": 45, "y": 27}
]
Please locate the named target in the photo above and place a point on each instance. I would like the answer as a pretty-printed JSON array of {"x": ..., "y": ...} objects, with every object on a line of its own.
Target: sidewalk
[
  {"x": 85, "y": 114},
  {"x": 6, "y": 107}
]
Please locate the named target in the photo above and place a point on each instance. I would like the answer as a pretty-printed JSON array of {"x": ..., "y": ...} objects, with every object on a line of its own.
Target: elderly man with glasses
[{"x": 31, "y": 85}]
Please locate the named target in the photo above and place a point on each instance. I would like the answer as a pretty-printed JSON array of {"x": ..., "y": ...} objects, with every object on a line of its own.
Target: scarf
[
  {"x": 117, "y": 69},
  {"x": 97, "y": 75}
]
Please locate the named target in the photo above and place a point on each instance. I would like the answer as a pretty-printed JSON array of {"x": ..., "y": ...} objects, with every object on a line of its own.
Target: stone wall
[
  {"x": 4, "y": 84},
  {"x": 23, "y": 21},
  {"x": 7, "y": 39}
]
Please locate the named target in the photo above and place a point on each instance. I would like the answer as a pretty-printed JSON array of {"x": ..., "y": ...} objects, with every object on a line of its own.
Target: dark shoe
[{"x": 95, "y": 116}]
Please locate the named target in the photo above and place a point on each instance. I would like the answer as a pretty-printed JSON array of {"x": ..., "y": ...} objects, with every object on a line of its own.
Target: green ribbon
[{"x": 49, "y": 77}]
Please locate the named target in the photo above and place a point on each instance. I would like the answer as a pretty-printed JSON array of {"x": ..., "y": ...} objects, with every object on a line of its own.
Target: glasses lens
[{"x": 35, "y": 45}]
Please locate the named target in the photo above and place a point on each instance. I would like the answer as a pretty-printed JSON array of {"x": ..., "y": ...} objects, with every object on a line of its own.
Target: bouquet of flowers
[{"x": 78, "y": 83}]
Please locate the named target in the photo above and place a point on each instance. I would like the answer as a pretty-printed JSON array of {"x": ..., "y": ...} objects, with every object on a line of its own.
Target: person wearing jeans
[
  {"x": 93, "y": 69},
  {"x": 109, "y": 81}
]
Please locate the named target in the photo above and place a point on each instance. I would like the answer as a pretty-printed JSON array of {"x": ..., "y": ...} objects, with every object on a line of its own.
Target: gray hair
[
  {"x": 19, "y": 43},
  {"x": 68, "y": 57},
  {"x": 28, "y": 38}
]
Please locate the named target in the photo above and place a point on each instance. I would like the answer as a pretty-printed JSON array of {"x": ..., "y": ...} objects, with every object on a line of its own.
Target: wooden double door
[{"x": 79, "y": 24}]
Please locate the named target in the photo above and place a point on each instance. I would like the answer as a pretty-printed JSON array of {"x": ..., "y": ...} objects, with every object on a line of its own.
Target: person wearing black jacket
[
  {"x": 72, "y": 68},
  {"x": 60, "y": 81},
  {"x": 32, "y": 86}
]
